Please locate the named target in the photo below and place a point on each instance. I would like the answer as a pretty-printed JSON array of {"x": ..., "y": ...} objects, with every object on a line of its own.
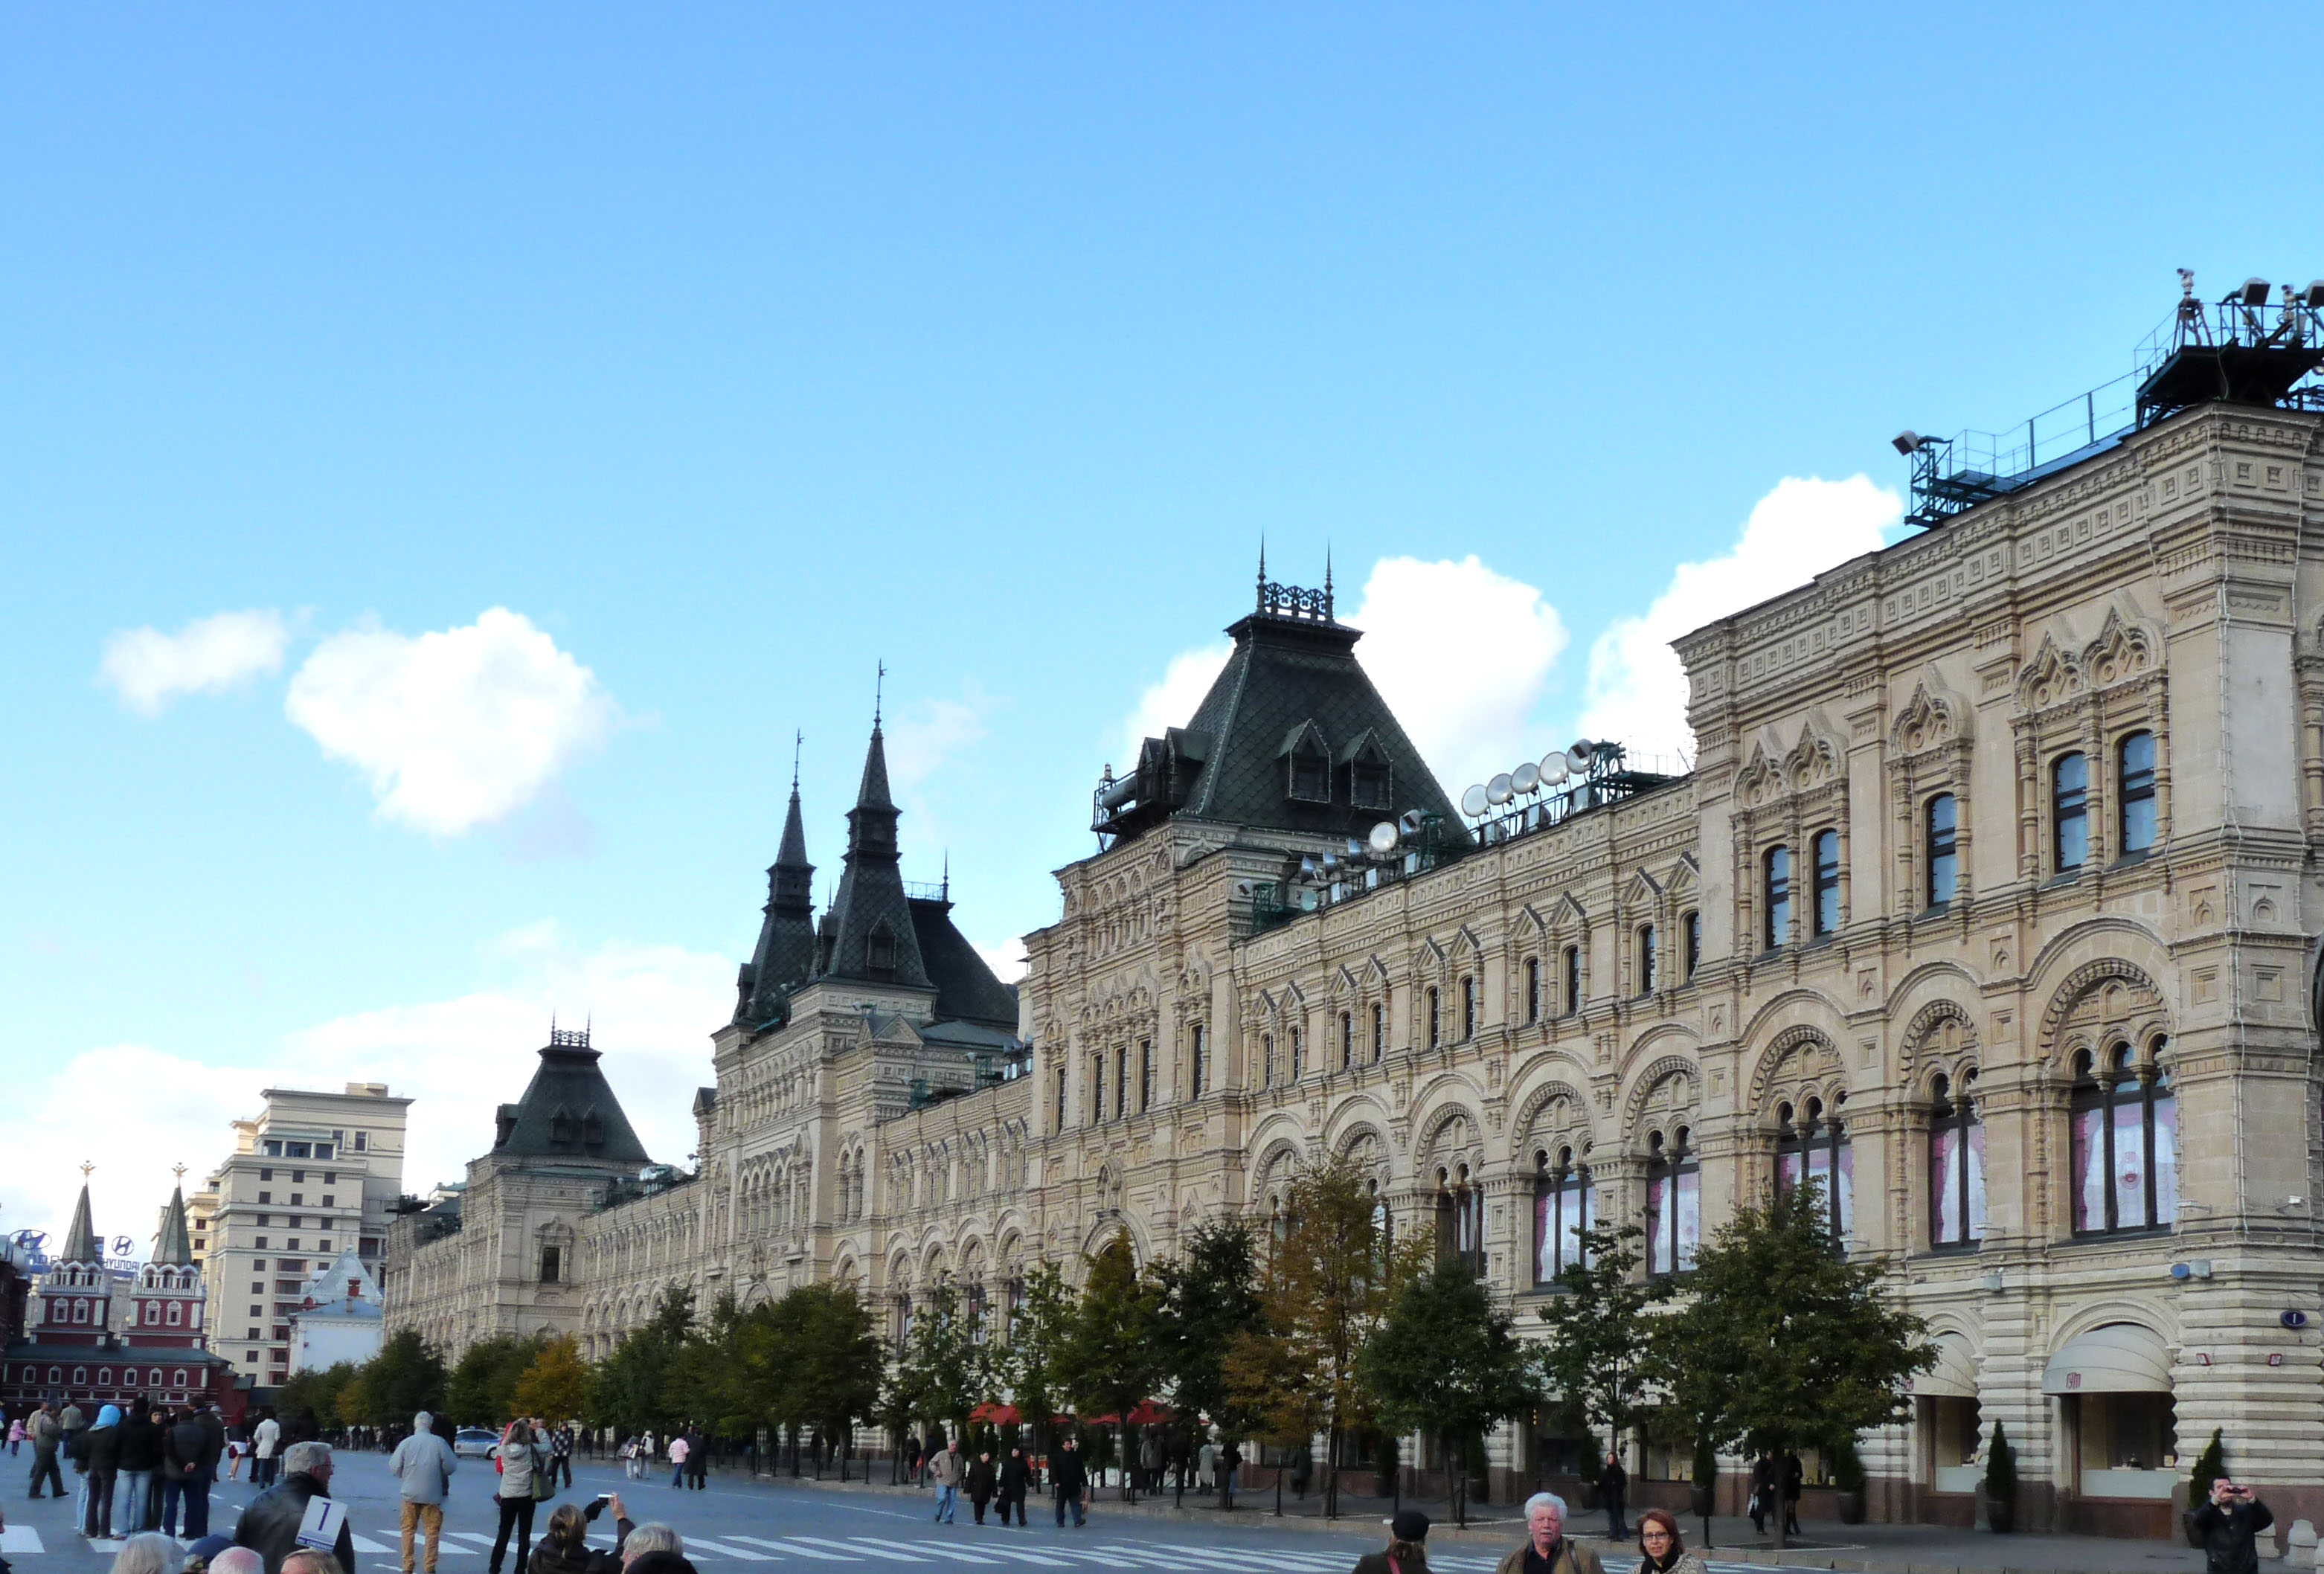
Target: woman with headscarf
[{"x": 1660, "y": 1551}]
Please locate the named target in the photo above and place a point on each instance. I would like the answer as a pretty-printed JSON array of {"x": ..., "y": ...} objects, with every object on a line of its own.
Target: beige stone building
[
  {"x": 1991, "y": 899},
  {"x": 313, "y": 1174}
]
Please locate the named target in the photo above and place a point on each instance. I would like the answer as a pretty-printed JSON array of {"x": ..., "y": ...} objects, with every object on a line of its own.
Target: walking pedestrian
[
  {"x": 561, "y": 1453},
  {"x": 16, "y": 1437},
  {"x": 911, "y": 1458},
  {"x": 948, "y": 1470},
  {"x": 1150, "y": 1459},
  {"x": 519, "y": 1462},
  {"x": 2229, "y": 1525},
  {"x": 140, "y": 1461},
  {"x": 1406, "y": 1553},
  {"x": 187, "y": 1466},
  {"x": 422, "y": 1465},
  {"x": 982, "y": 1478},
  {"x": 263, "y": 1441},
  {"x": 1016, "y": 1478},
  {"x": 697, "y": 1460},
  {"x": 269, "y": 1525},
  {"x": 1660, "y": 1550},
  {"x": 1795, "y": 1476},
  {"x": 1614, "y": 1491},
  {"x": 1206, "y": 1466},
  {"x": 1763, "y": 1490},
  {"x": 48, "y": 1435},
  {"x": 1547, "y": 1549},
  {"x": 680, "y": 1448},
  {"x": 1231, "y": 1461},
  {"x": 1069, "y": 1481},
  {"x": 99, "y": 1454}
]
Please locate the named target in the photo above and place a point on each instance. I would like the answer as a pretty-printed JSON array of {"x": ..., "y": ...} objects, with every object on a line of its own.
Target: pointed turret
[
  {"x": 785, "y": 956},
  {"x": 868, "y": 932},
  {"x": 175, "y": 1244},
  {"x": 80, "y": 1240}
]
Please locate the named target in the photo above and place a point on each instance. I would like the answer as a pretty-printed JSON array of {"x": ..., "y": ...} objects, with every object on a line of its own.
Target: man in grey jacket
[{"x": 422, "y": 1465}]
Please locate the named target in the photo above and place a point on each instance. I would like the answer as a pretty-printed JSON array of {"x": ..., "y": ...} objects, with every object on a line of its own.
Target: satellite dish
[
  {"x": 1580, "y": 753},
  {"x": 1554, "y": 769},
  {"x": 1474, "y": 803},
  {"x": 1526, "y": 778},
  {"x": 1500, "y": 789},
  {"x": 1382, "y": 839},
  {"x": 1410, "y": 822}
]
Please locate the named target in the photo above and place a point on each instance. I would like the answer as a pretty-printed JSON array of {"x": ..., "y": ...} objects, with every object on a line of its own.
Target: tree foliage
[
  {"x": 1204, "y": 1299},
  {"x": 938, "y": 1376},
  {"x": 1596, "y": 1356},
  {"x": 317, "y": 1392},
  {"x": 1447, "y": 1360},
  {"x": 631, "y": 1390},
  {"x": 405, "y": 1377},
  {"x": 556, "y": 1384},
  {"x": 1785, "y": 1341},
  {"x": 481, "y": 1388},
  {"x": 1110, "y": 1362},
  {"x": 1030, "y": 1364}
]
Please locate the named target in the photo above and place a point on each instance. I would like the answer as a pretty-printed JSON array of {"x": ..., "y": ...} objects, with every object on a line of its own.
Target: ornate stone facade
[{"x": 1992, "y": 895}]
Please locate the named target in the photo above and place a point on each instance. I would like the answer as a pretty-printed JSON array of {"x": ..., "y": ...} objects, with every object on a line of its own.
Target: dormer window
[
  {"x": 560, "y": 1127},
  {"x": 592, "y": 1129},
  {"x": 880, "y": 950},
  {"x": 1307, "y": 766},
  {"x": 1370, "y": 782}
]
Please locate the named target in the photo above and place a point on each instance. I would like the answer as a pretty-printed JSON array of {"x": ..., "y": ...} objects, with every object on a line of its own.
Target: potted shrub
[
  {"x": 1705, "y": 1501},
  {"x": 2209, "y": 1466},
  {"x": 1847, "y": 1477},
  {"x": 2000, "y": 1490}
]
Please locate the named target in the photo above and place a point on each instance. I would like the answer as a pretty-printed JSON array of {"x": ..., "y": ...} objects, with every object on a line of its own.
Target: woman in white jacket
[{"x": 519, "y": 1462}]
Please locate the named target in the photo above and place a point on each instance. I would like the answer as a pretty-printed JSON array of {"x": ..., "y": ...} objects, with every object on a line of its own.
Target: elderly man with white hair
[
  {"x": 269, "y": 1525},
  {"x": 1547, "y": 1549},
  {"x": 149, "y": 1553}
]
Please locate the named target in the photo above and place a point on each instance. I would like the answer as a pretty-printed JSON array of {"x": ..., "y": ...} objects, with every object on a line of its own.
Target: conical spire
[
  {"x": 80, "y": 1240},
  {"x": 176, "y": 1243},
  {"x": 785, "y": 956},
  {"x": 872, "y": 794},
  {"x": 868, "y": 928}
]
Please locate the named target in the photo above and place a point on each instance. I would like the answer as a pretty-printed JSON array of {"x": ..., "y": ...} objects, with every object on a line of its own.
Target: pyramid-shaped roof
[
  {"x": 175, "y": 1243},
  {"x": 568, "y": 1110},
  {"x": 80, "y": 1239}
]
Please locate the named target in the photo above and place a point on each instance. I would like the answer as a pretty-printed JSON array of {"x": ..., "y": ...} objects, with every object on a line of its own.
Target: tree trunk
[
  {"x": 1460, "y": 1492},
  {"x": 1332, "y": 1470}
]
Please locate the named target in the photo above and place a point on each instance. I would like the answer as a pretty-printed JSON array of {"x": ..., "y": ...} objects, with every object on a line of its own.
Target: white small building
[{"x": 339, "y": 1318}]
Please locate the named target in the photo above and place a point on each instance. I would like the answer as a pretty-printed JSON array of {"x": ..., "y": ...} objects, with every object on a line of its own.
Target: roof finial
[
  {"x": 798, "y": 738},
  {"x": 1263, "y": 570},
  {"x": 1327, "y": 584},
  {"x": 879, "y": 694},
  {"x": 85, "y": 1168},
  {"x": 178, "y": 1170},
  {"x": 947, "y": 875}
]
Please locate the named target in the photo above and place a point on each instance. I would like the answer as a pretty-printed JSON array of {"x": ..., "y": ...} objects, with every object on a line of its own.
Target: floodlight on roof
[
  {"x": 1526, "y": 778},
  {"x": 2314, "y": 295},
  {"x": 1410, "y": 822},
  {"x": 2255, "y": 292},
  {"x": 1383, "y": 838},
  {"x": 1499, "y": 790},
  {"x": 1907, "y": 443}
]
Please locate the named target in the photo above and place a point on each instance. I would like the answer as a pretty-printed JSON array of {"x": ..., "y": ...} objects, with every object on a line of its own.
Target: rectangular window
[
  {"x": 1061, "y": 1093},
  {"x": 1944, "y": 862},
  {"x": 1778, "y": 867},
  {"x": 2070, "y": 810},
  {"x": 1436, "y": 1018},
  {"x": 1693, "y": 926},
  {"x": 1298, "y": 1053},
  {"x": 1379, "y": 1033},
  {"x": 1347, "y": 1040},
  {"x": 2138, "y": 792},
  {"x": 362, "y": 1141},
  {"x": 1533, "y": 989},
  {"x": 1121, "y": 1081},
  {"x": 1827, "y": 883},
  {"x": 1468, "y": 1009},
  {"x": 1649, "y": 960},
  {"x": 1266, "y": 1060},
  {"x": 551, "y": 1265},
  {"x": 1145, "y": 1074},
  {"x": 1573, "y": 979},
  {"x": 1195, "y": 1065}
]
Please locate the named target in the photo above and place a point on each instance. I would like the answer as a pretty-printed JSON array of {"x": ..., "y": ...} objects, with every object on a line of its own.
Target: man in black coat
[
  {"x": 1016, "y": 1475},
  {"x": 188, "y": 1466},
  {"x": 269, "y": 1525},
  {"x": 2229, "y": 1525},
  {"x": 141, "y": 1459},
  {"x": 1069, "y": 1479},
  {"x": 1614, "y": 1491},
  {"x": 982, "y": 1477}
]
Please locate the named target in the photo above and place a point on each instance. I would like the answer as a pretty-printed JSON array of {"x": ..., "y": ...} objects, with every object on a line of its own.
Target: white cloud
[
  {"x": 1007, "y": 960},
  {"x": 1461, "y": 654},
  {"x": 1638, "y": 690},
  {"x": 1172, "y": 701},
  {"x": 924, "y": 735},
  {"x": 148, "y": 669},
  {"x": 654, "y": 1008},
  {"x": 454, "y": 729}
]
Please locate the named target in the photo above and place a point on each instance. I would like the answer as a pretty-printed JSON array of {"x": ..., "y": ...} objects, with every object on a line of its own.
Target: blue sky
[{"x": 608, "y": 389}]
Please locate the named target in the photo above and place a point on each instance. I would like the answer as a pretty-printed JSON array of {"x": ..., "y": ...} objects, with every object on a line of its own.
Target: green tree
[
  {"x": 1205, "y": 1297},
  {"x": 1597, "y": 1353},
  {"x": 315, "y": 1393},
  {"x": 556, "y": 1384},
  {"x": 834, "y": 1380},
  {"x": 1448, "y": 1362},
  {"x": 1785, "y": 1341},
  {"x": 1030, "y": 1361},
  {"x": 1111, "y": 1361},
  {"x": 630, "y": 1389},
  {"x": 482, "y": 1390},
  {"x": 405, "y": 1377},
  {"x": 939, "y": 1378},
  {"x": 1327, "y": 1287}
]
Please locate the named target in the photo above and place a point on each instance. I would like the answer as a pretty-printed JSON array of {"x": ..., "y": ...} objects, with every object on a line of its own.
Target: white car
[{"x": 474, "y": 1442}]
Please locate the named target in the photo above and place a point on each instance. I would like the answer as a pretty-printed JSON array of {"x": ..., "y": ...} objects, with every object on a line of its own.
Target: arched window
[
  {"x": 1347, "y": 1040},
  {"x": 1560, "y": 1213},
  {"x": 1649, "y": 960},
  {"x": 1532, "y": 990},
  {"x": 2125, "y": 1142},
  {"x": 1943, "y": 817},
  {"x": 1778, "y": 874},
  {"x": 2070, "y": 810},
  {"x": 1468, "y": 1007},
  {"x": 1811, "y": 1147},
  {"x": 1674, "y": 1203},
  {"x": 1956, "y": 1164},
  {"x": 1194, "y": 1064},
  {"x": 1436, "y": 1018},
  {"x": 1459, "y": 1220},
  {"x": 2136, "y": 794},
  {"x": 1379, "y": 1033},
  {"x": 1826, "y": 882},
  {"x": 1573, "y": 979}
]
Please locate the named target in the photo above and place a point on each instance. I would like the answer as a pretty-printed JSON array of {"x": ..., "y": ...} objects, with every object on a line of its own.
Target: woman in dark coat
[
  {"x": 1016, "y": 1478},
  {"x": 1403, "y": 1554},
  {"x": 982, "y": 1478}
]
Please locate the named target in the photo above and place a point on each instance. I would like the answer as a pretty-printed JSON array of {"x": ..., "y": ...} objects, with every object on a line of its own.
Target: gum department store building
[{"x": 1993, "y": 895}]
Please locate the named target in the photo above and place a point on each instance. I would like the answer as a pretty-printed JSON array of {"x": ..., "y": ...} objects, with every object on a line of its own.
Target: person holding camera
[{"x": 2229, "y": 1525}]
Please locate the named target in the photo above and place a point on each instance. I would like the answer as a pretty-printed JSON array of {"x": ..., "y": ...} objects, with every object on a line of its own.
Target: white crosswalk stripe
[
  {"x": 1019, "y": 1555},
  {"x": 948, "y": 1551},
  {"x": 696, "y": 1544},
  {"x": 366, "y": 1544},
  {"x": 22, "y": 1540},
  {"x": 1148, "y": 1560},
  {"x": 790, "y": 1546}
]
